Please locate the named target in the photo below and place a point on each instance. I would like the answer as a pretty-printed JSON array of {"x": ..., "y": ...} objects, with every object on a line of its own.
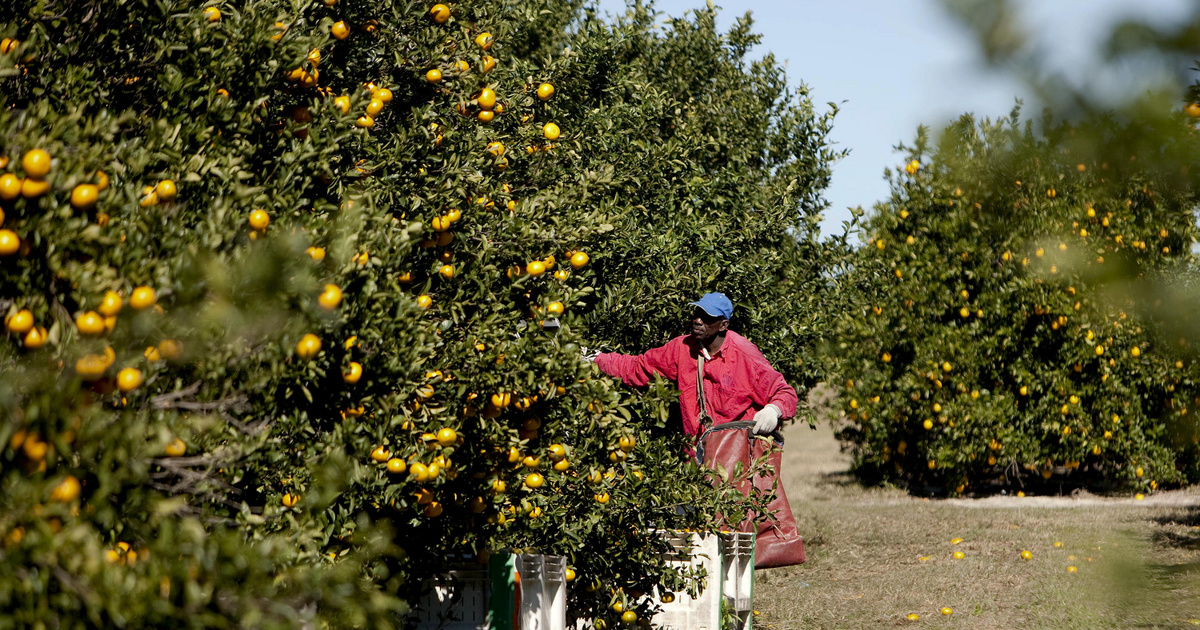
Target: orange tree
[
  {"x": 294, "y": 294},
  {"x": 999, "y": 345}
]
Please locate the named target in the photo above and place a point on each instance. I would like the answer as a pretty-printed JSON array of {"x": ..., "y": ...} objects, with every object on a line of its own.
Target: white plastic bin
[
  {"x": 728, "y": 561},
  {"x": 484, "y": 599}
]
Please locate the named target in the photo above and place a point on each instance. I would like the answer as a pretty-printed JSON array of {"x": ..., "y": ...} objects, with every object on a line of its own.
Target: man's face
[{"x": 705, "y": 327}]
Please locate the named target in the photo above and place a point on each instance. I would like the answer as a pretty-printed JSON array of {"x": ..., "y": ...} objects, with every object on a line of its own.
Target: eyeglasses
[{"x": 705, "y": 317}]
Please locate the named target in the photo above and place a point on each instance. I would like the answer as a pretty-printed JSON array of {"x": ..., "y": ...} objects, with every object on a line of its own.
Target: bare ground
[{"x": 877, "y": 555}]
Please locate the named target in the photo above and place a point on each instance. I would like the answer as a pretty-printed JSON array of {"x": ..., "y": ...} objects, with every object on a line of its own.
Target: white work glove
[
  {"x": 766, "y": 420},
  {"x": 589, "y": 354}
]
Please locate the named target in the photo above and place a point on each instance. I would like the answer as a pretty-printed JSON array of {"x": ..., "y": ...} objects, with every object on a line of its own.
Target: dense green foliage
[
  {"x": 192, "y": 458},
  {"x": 1006, "y": 340}
]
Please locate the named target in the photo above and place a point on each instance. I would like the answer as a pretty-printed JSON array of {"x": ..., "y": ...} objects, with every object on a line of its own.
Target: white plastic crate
[
  {"x": 484, "y": 599},
  {"x": 728, "y": 561},
  {"x": 543, "y": 592},
  {"x": 458, "y": 601}
]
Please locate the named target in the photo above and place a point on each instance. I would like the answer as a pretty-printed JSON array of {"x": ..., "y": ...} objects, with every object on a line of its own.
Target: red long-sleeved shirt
[{"x": 738, "y": 381}]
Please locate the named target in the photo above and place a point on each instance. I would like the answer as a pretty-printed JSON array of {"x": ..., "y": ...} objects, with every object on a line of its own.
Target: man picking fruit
[{"x": 738, "y": 383}]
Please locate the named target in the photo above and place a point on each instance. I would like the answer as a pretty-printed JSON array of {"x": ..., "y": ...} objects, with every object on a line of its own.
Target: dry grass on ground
[{"x": 877, "y": 555}]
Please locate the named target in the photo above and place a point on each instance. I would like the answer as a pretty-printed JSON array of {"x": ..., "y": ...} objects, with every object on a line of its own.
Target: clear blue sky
[{"x": 894, "y": 65}]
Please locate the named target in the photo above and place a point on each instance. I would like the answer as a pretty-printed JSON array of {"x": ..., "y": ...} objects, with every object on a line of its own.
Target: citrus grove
[
  {"x": 294, "y": 295},
  {"x": 1018, "y": 330}
]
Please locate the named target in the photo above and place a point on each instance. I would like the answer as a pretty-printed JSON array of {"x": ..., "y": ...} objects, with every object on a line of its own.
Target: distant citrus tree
[
  {"x": 294, "y": 294},
  {"x": 1000, "y": 344}
]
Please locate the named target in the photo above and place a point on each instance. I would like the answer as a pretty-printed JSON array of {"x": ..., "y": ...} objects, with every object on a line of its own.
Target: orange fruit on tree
[
  {"x": 535, "y": 268},
  {"x": 1192, "y": 109},
  {"x": 396, "y": 465},
  {"x": 534, "y": 480},
  {"x": 342, "y": 103},
  {"x": 34, "y": 188},
  {"x": 433, "y": 75},
  {"x": 364, "y": 122},
  {"x": 550, "y": 131},
  {"x": 440, "y": 13},
  {"x": 381, "y": 454},
  {"x": 487, "y": 63},
  {"x": 308, "y": 346},
  {"x": 545, "y": 91},
  {"x": 339, "y": 30},
  {"x": 446, "y": 271},
  {"x": 142, "y": 298},
  {"x": 129, "y": 379},
  {"x": 486, "y": 98},
  {"x": 290, "y": 500},
  {"x": 447, "y": 436},
  {"x": 501, "y": 400},
  {"x": 66, "y": 491},
  {"x": 83, "y": 196},
  {"x": 259, "y": 219},
  {"x": 10, "y": 187},
  {"x": 330, "y": 298},
  {"x": 579, "y": 260},
  {"x": 111, "y": 304},
  {"x": 35, "y": 338},
  {"x": 484, "y": 40},
  {"x": 316, "y": 253},
  {"x": 354, "y": 374},
  {"x": 90, "y": 323},
  {"x": 557, "y": 452},
  {"x": 19, "y": 322},
  {"x": 374, "y": 107},
  {"x": 485, "y": 116},
  {"x": 602, "y": 497},
  {"x": 424, "y": 301},
  {"x": 495, "y": 148},
  {"x": 175, "y": 448},
  {"x": 629, "y": 616},
  {"x": 166, "y": 190},
  {"x": 8, "y": 45},
  {"x": 212, "y": 14},
  {"x": 36, "y": 163},
  {"x": 626, "y": 443},
  {"x": 384, "y": 95}
]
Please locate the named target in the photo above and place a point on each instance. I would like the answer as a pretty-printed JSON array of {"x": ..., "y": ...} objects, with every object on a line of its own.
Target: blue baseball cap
[{"x": 715, "y": 304}]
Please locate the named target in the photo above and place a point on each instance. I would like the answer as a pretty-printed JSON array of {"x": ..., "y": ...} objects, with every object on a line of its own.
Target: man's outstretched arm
[{"x": 637, "y": 370}]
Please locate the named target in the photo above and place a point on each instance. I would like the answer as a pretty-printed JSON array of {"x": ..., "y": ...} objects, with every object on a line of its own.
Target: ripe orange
[
  {"x": 166, "y": 190},
  {"x": 627, "y": 443},
  {"x": 259, "y": 219},
  {"x": 1027, "y": 555},
  {"x": 424, "y": 301},
  {"x": 499, "y": 487},
  {"x": 36, "y": 163},
  {"x": 486, "y": 98},
  {"x": 176, "y": 448},
  {"x": 496, "y": 148},
  {"x": 374, "y": 107},
  {"x": 142, "y": 298},
  {"x": 91, "y": 367},
  {"x": 364, "y": 122},
  {"x": 111, "y": 304},
  {"x": 579, "y": 260},
  {"x": 170, "y": 349},
  {"x": 34, "y": 188},
  {"x": 316, "y": 253},
  {"x": 440, "y": 13},
  {"x": 66, "y": 491},
  {"x": 447, "y": 436},
  {"x": 212, "y": 14},
  {"x": 129, "y": 379},
  {"x": 35, "y": 338},
  {"x": 534, "y": 480},
  {"x": 330, "y": 298},
  {"x": 342, "y": 103},
  {"x": 550, "y": 131},
  {"x": 947, "y": 611},
  {"x": 83, "y": 196},
  {"x": 10, "y": 187},
  {"x": 339, "y": 30},
  {"x": 90, "y": 323},
  {"x": 545, "y": 91},
  {"x": 354, "y": 374},
  {"x": 308, "y": 346},
  {"x": 602, "y": 497},
  {"x": 8, "y": 45},
  {"x": 557, "y": 452},
  {"x": 484, "y": 40},
  {"x": 629, "y": 616},
  {"x": 488, "y": 62},
  {"x": 384, "y": 95},
  {"x": 446, "y": 271},
  {"x": 290, "y": 500},
  {"x": 433, "y": 76},
  {"x": 562, "y": 465},
  {"x": 395, "y": 465},
  {"x": 570, "y": 574},
  {"x": 19, "y": 322},
  {"x": 535, "y": 268}
]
